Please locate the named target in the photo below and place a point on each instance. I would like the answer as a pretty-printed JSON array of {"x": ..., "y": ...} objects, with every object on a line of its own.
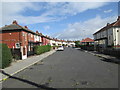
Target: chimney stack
[
  {"x": 37, "y": 32},
  {"x": 26, "y": 27},
  {"x": 15, "y": 22},
  {"x": 118, "y": 18},
  {"x": 108, "y": 24}
]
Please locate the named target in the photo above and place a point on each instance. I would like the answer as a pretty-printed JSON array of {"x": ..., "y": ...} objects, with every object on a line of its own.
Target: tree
[{"x": 77, "y": 43}]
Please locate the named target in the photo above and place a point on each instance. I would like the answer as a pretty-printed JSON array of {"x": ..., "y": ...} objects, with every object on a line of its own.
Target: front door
[{"x": 24, "y": 52}]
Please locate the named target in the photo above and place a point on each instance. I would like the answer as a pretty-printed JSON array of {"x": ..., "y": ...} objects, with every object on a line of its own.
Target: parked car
[{"x": 60, "y": 48}]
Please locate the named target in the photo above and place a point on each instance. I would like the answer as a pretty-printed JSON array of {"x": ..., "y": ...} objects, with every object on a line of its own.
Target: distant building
[
  {"x": 71, "y": 43},
  {"x": 108, "y": 36},
  {"x": 52, "y": 42},
  {"x": 87, "y": 41}
]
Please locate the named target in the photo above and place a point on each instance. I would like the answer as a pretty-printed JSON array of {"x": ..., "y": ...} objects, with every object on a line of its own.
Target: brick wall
[{"x": 10, "y": 38}]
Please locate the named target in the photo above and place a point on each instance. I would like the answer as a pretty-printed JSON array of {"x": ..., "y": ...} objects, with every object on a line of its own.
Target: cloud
[
  {"x": 108, "y": 11},
  {"x": 80, "y": 30},
  {"x": 11, "y": 11},
  {"x": 74, "y": 8},
  {"x": 60, "y": 0},
  {"x": 71, "y": 8},
  {"x": 53, "y": 11},
  {"x": 47, "y": 27}
]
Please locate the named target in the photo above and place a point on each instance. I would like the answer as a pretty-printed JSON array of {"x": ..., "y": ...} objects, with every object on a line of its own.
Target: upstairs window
[
  {"x": 23, "y": 34},
  {"x": 31, "y": 35}
]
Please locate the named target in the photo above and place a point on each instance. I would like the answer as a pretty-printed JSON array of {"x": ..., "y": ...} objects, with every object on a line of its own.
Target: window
[
  {"x": 9, "y": 33},
  {"x": 31, "y": 35},
  {"x": 25, "y": 37},
  {"x": 17, "y": 45},
  {"x": 23, "y": 34}
]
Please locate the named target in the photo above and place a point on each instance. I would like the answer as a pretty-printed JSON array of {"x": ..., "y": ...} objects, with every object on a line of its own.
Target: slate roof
[
  {"x": 15, "y": 27},
  {"x": 10, "y": 27}
]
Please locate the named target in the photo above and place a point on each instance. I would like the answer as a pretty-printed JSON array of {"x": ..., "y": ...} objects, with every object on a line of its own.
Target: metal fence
[
  {"x": 89, "y": 48},
  {"x": 16, "y": 54},
  {"x": 112, "y": 52}
]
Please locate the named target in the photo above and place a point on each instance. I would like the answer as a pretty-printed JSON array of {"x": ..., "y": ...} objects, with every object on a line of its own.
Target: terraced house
[
  {"x": 45, "y": 40},
  {"x": 20, "y": 39},
  {"x": 108, "y": 36}
]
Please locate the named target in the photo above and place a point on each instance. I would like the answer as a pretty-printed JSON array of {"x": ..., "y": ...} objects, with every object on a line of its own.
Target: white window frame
[{"x": 16, "y": 45}]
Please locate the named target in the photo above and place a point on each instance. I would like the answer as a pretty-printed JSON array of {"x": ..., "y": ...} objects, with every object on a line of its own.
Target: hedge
[
  {"x": 6, "y": 57},
  {"x": 41, "y": 49},
  {"x": 87, "y": 47}
]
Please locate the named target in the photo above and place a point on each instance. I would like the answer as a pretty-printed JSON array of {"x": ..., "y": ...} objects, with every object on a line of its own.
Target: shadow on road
[
  {"x": 28, "y": 82},
  {"x": 109, "y": 60}
]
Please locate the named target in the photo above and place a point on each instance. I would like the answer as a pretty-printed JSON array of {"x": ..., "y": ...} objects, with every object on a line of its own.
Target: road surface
[{"x": 70, "y": 68}]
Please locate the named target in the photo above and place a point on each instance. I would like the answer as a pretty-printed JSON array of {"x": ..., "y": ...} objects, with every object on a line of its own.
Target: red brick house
[
  {"x": 45, "y": 40},
  {"x": 33, "y": 40},
  {"x": 87, "y": 41},
  {"x": 18, "y": 38}
]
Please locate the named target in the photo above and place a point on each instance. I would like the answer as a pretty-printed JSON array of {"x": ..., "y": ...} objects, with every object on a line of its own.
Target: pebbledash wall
[{"x": 108, "y": 36}]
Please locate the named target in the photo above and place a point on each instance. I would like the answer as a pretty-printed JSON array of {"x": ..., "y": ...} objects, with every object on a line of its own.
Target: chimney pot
[
  {"x": 26, "y": 27},
  {"x": 37, "y": 32},
  {"x": 15, "y": 22}
]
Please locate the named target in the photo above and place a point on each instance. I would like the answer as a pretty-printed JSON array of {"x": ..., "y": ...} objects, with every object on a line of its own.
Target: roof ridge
[
  {"x": 106, "y": 27},
  {"x": 118, "y": 20},
  {"x": 21, "y": 27}
]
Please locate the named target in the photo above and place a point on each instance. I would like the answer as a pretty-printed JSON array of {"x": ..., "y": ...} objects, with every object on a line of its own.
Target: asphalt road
[{"x": 70, "y": 68}]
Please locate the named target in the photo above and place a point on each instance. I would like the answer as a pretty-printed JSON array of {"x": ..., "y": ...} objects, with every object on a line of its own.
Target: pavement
[
  {"x": 67, "y": 69},
  {"x": 22, "y": 64},
  {"x": 106, "y": 58}
]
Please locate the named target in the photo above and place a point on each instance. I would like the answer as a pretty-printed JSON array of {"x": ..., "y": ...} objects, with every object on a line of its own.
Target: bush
[
  {"x": 87, "y": 47},
  {"x": 6, "y": 57},
  {"x": 41, "y": 49}
]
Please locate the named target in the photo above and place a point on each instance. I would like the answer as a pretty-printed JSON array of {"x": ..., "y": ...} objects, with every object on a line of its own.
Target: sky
[{"x": 62, "y": 20}]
